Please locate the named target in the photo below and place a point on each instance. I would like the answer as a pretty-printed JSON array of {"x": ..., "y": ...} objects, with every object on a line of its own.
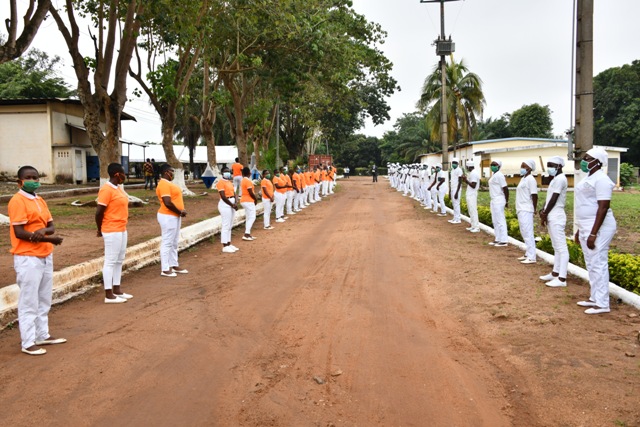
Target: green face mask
[
  {"x": 495, "y": 169},
  {"x": 268, "y": 176},
  {"x": 454, "y": 165},
  {"x": 30, "y": 186},
  {"x": 584, "y": 166}
]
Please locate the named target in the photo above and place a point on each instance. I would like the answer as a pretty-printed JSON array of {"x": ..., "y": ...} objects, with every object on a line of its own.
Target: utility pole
[
  {"x": 584, "y": 81},
  {"x": 443, "y": 48},
  {"x": 278, "y": 136}
]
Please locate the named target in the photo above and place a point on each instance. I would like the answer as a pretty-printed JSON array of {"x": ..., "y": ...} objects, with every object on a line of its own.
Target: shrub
[
  {"x": 626, "y": 174},
  {"x": 362, "y": 172},
  {"x": 624, "y": 269}
]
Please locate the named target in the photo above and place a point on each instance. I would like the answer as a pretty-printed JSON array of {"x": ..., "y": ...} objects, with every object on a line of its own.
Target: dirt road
[{"x": 363, "y": 310}]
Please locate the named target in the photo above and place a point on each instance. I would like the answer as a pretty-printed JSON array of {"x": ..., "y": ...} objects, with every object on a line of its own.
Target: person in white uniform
[
  {"x": 426, "y": 194},
  {"x": 555, "y": 218},
  {"x": 433, "y": 190},
  {"x": 455, "y": 187},
  {"x": 441, "y": 189},
  {"x": 499, "y": 193},
  {"x": 596, "y": 227},
  {"x": 526, "y": 207},
  {"x": 473, "y": 184}
]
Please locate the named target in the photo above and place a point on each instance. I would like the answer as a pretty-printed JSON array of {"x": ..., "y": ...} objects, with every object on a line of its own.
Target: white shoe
[
  {"x": 456, "y": 222},
  {"x": 522, "y": 258},
  {"x": 228, "y": 250},
  {"x": 597, "y": 310},
  {"x": 247, "y": 238},
  {"x": 122, "y": 295},
  {"x": 172, "y": 274},
  {"x": 442, "y": 214},
  {"x": 587, "y": 304},
  {"x": 451, "y": 221},
  {"x": 115, "y": 300},
  {"x": 475, "y": 230},
  {"x": 556, "y": 283},
  {"x": 234, "y": 248},
  {"x": 291, "y": 213},
  {"x": 279, "y": 220},
  {"x": 547, "y": 277},
  {"x": 268, "y": 227},
  {"x": 469, "y": 228},
  {"x": 528, "y": 261}
]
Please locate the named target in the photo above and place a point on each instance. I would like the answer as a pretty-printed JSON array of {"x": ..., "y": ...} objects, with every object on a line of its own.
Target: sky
[{"x": 521, "y": 49}]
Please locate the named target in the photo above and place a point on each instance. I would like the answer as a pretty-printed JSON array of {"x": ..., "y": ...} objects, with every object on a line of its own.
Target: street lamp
[{"x": 444, "y": 47}]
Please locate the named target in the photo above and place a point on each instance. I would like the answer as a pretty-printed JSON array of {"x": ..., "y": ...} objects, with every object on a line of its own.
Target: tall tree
[
  {"x": 495, "y": 128},
  {"x": 617, "y": 109},
  {"x": 465, "y": 101},
  {"x": 33, "y": 76},
  {"x": 409, "y": 139},
  {"x": 532, "y": 121},
  {"x": 16, "y": 44},
  {"x": 117, "y": 23}
]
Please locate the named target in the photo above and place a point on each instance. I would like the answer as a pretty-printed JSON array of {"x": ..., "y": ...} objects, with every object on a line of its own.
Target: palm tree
[{"x": 465, "y": 101}]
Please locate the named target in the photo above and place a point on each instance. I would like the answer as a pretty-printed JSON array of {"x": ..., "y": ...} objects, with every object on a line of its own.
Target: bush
[
  {"x": 362, "y": 172},
  {"x": 382, "y": 171},
  {"x": 626, "y": 174}
]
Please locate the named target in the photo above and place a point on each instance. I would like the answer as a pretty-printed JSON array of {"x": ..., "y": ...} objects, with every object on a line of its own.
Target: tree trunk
[{"x": 168, "y": 128}]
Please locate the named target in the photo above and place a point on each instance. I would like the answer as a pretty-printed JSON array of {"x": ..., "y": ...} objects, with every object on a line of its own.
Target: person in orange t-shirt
[
  {"x": 325, "y": 181},
  {"x": 236, "y": 171},
  {"x": 317, "y": 178},
  {"x": 248, "y": 201},
  {"x": 112, "y": 215},
  {"x": 32, "y": 241},
  {"x": 169, "y": 217},
  {"x": 267, "y": 198},
  {"x": 227, "y": 206},
  {"x": 286, "y": 173},
  {"x": 281, "y": 194}
]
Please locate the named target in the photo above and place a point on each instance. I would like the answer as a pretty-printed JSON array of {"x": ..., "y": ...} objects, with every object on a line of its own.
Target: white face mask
[
  {"x": 226, "y": 175},
  {"x": 552, "y": 171}
]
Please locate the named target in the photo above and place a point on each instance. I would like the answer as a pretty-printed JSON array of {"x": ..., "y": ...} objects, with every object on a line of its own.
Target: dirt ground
[
  {"x": 77, "y": 226},
  {"x": 363, "y": 310}
]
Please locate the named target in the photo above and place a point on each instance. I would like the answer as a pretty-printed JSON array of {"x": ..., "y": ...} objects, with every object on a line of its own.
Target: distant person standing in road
[
  {"x": 147, "y": 169},
  {"x": 555, "y": 218},
  {"x": 346, "y": 172},
  {"x": 473, "y": 185},
  {"x": 526, "y": 207},
  {"x": 596, "y": 227},
  {"x": 227, "y": 206},
  {"x": 248, "y": 201},
  {"x": 499, "y": 193},
  {"x": 112, "y": 215},
  {"x": 268, "y": 198},
  {"x": 156, "y": 172},
  {"x": 236, "y": 171},
  {"x": 374, "y": 172},
  {"x": 170, "y": 217},
  {"x": 32, "y": 240}
]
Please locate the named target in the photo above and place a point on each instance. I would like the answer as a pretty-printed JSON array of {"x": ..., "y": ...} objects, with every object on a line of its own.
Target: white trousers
[
  {"x": 456, "y": 206},
  {"x": 34, "y": 277},
  {"x": 226, "y": 214},
  {"x": 332, "y": 185},
  {"x": 597, "y": 259},
  {"x": 556, "y": 224},
  {"x": 427, "y": 197},
  {"x": 296, "y": 200},
  {"x": 525, "y": 221},
  {"x": 237, "y": 185},
  {"x": 280, "y": 199},
  {"x": 250, "y": 212},
  {"x": 325, "y": 188},
  {"x": 266, "y": 204},
  {"x": 170, "y": 227},
  {"x": 434, "y": 198},
  {"x": 115, "y": 248},
  {"x": 443, "y": 207},
  {"x": 498, "y": 219},
  {"x": 290, "y": 201},
  {"x": 472, "y": 207},
  {"x": 316, "y": 192}
]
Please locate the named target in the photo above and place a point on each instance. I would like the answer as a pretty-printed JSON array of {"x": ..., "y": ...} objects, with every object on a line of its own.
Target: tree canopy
[{"x": 33, "y": 76}]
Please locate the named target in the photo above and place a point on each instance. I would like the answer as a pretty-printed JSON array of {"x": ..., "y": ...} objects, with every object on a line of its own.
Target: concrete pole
[
  {"x": 584, "y": 88},
  {"x": 443, "y": 98},
  {"x": 277, "y": 136}
]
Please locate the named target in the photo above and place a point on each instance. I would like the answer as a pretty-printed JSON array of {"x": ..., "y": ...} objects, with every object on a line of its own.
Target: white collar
[
  {"x": 28, "y": 195},
  {"x": 111, "y": 184}
]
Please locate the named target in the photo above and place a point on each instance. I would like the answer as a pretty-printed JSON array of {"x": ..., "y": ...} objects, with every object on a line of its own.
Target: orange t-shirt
[
  {"x": 33, "y": 214},
  {"x": 325, "y": 176},
  {"x": 296, "y": 179},
  {"x": 168, "y": 188},
  {"x": 116, "y": 213},
  {"x": 316, "y": 176},
  {"x": 227, "y": 187},
  {"x": 245, "y": 185},
  {"x": 288, "y": 182},
  {"x": 268, "y": 185},
  {"x": 280, "y": 181},
  {"x": 330, "y": 175},
  {"x": 236, "y": 169}
]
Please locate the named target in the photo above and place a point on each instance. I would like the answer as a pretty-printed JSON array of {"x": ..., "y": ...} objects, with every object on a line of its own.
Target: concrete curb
[
  {"x": 624, "y": 295},
  {"x": 77, "y": 279},
  {"x": 70, "y": 192}
]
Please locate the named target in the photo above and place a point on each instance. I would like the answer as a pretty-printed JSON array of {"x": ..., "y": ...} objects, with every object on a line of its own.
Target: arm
[
  {"x": 265, "y": 193},
  {"x": 99, "y": 218},
  {"x": 252, "y": 194},
  {"x": 603, "y": 208},
  {"x": 226, "y": 200},
  {"x": 169, "y": 204},
  {"x": 458, "y": 189},
  {"x": 534, "y": 199},
  {"x": 505, "y": 190},
  {"x": 42, "y": 235},
  {"x": 545, "y": 211}
]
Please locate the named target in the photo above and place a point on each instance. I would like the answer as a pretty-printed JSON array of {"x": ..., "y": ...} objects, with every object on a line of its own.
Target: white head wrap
[
  {"x": 470, "y": 163},
  {"x": 531, "y": 163},
  {"x": 455, "y": 160},
  {"x": 439, "y": 165},
  {"x": 499, "y": 162},
  {"x": 557, "y": 160},
  {"x": 600, "y": 154}
]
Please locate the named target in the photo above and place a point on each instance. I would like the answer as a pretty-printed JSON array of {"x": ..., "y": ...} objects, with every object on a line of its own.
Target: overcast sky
[{"x": 521, "y": 49}]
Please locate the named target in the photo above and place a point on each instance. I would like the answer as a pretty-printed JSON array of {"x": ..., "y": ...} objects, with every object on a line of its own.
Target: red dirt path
[{"x": 408, "y": 321}]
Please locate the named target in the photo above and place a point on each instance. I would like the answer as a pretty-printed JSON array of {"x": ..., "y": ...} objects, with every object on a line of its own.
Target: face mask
[
  {"x": 552, "y": 171},
  {"x": 226, "y": 175},
  {"x": 454, "y": 165},
  {"x": 438, "y": 169},
  {"x": 278, "y": 174},
  {"x": 584, "y": 166},
  {"x": 30, "y": 186},
  {"x": 523, "y": 171},
  {"x": 495, "y": 169}
]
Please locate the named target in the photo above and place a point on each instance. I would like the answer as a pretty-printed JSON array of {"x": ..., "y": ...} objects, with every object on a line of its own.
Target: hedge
[{"x": 624, "y": 269}]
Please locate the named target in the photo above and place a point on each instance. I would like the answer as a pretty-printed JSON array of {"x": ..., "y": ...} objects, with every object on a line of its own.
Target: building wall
[{"x": 26, "y": 140}]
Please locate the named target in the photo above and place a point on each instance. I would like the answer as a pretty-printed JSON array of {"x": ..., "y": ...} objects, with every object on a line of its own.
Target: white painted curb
[
  {"x": 626, "y": 296},
  {"x": 76, "y": 279}
]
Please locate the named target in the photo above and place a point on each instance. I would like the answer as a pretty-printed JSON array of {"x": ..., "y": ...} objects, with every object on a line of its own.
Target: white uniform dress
[
  {"x": 525, "y": 211},
  {"x": 455, "y": 180},
  {"x": 588, "y": 192},
  {"x": 472, "y": 198},
  {"x": 441, "y": 191},
  {"x": 496, "y": 183},
  {"x": 556, "y": 223}
]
